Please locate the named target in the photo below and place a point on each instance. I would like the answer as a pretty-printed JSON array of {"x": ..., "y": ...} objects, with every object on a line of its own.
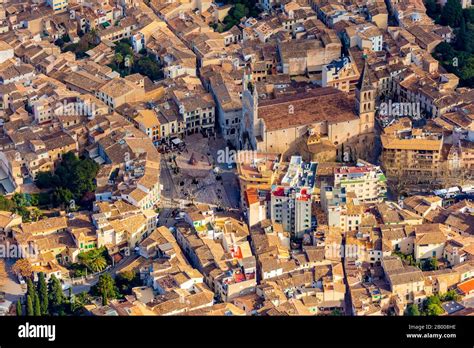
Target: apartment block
[
  {"x": 367, "y": 181},
  {"x": 291, "y": 199}
]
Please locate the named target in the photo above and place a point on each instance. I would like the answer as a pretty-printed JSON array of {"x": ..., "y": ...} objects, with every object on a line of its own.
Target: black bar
[{"x": 193, "y": 330}]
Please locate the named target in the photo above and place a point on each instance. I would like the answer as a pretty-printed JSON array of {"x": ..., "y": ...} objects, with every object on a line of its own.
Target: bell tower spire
[{"x": 365, "y": 100}]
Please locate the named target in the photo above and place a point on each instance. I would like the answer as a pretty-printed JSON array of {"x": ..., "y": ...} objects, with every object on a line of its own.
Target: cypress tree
[
  {"x": 31, "y": 290},
  {"x": 19, "y": 309},
  {"x": 37, "y": 306},
  {"x": 29, "y": 306},
  {"x": 56, "y": 295},
  {"x": 43, "y": 293}
]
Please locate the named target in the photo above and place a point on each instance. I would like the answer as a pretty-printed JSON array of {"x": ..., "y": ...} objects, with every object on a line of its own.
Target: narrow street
[{"x": 347, "y": 297}]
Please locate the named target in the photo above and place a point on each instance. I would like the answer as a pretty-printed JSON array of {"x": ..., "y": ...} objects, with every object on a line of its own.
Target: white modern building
[
  {"x": 291, "y": 200},
  {"x": 367, "y": 181}
]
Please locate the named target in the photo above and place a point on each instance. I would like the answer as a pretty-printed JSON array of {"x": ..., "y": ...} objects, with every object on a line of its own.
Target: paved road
[
  {"x": 169, "y": 190},
  {"x": 232, "y": 188},
  {"x": 165, "y": 216},
  {"x": 13, "y": 290}
]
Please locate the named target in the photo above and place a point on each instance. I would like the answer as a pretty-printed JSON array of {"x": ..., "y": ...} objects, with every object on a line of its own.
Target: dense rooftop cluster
[{"x": 304, "y": 157}]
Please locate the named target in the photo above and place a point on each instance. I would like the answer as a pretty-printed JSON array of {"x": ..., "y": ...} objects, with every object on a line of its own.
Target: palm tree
[
  {"x": 118, "y": 59},
  {"x": 97, "y": 264},
  {"x": 80, "y": 301},
  {"x": 94, "y": 260}
]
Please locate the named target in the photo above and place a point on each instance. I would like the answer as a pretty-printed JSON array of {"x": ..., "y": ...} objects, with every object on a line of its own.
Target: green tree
[
  {"x": 95, "y": 260},
  {"x": 106, "y": 288},
  {"x": 124, "y": 48},
  {"x": 37, "y": 306},
  {"x": 461, "y": 36},
  {"x": 6, "y": 204},
  {"x": 452, "y": 13},
  {"x": 451, "y": 295},
  {"x": 240, "y": 11},
  {"x": 44, "y": 199},
  {"x": 86, "y": 42},
  {"x": 433, "y": 300},
  {"x": 126, "y": 281},
  {"x": 467, "y": 69},
  {"x": 19, "y": 309},
  {"x": 56, "y": 297},
  {"x": 432, "y": 9},
  {"x": 62, "y": 196},
  {"x": 34, "y": 199},
  {"x": 469, "y": 15},
  {"x": 464, "y": 38},
  {"x": 20, "y": 200},
  {"x": 118, "y": 59},
  {"x": 29, "y": 306},
  {"x": 412, "y": 310},
  {"x": 45, "y": 180},
  {"x": 35, "y": 214},
  {"x": 445, "y": 52},
  {"x": 77, "y": 175},
  {"x": 433, "y": 264},
  {"x": 434, "y": 309},
  {"x": 80, "y": 300},
  {"x": 43, "y": 293},
  {"x": 432, "y": 306},
  {"x": 148, "y": 67},
  {"x": 72, "y": 180},
  {"x": 98, "y": 264},
  {"x": 30, "y": 288},
  {"x": 23, "y": 212}
]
